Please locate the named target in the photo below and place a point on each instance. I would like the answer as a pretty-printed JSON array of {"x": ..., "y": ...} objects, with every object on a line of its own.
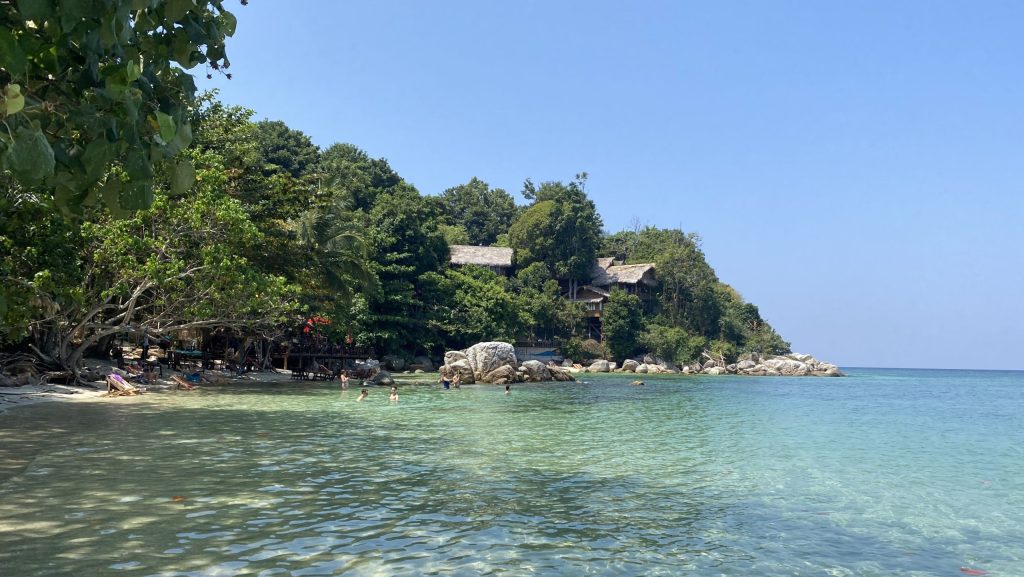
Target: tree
[
  {"x": 352, "y": 172},
  {"x": 404, "y": 244},
  {"x": 88, "y": 85},
  {"x": 336, "y": 257},
  {"x": 484, "y": 212},
  {"x": 674, "y": 344},
  {"x": 174, "y": 266},
  {"x": 621, "y": 324},
  {"x": 561, "y": 228},
  {"x": 472, "y": 304}
]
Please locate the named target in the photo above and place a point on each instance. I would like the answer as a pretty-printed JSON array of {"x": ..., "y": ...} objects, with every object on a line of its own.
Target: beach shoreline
[{"x": 32, "y": 394}]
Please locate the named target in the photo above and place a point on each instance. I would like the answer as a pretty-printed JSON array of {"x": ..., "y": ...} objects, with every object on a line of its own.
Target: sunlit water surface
[{"x": 883, "y": 473}]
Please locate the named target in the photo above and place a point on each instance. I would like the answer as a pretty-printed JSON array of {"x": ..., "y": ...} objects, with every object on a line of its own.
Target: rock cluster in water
[
  {"x": 496, "y": 363},
  {"x": 754, "y": 364}
]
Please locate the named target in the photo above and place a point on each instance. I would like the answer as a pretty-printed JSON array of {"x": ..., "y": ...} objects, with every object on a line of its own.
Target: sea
[{"x": 884, "y": 472}]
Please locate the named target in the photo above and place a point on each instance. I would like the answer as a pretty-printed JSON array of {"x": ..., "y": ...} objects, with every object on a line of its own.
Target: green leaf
[
  {"x": 181, "y": 140},
  {"x": 14, "y": 100},
  {"x": 132, "y": 71},
  {"x": 36, "y": 10},
  {"x": 175, "y": 10},
  {"x": 167, "y": 128},
  {"x": 12, "y": 57},
  {"x": 97, "y": 156},
  {"x": 137, "y": 196},
  {"x": 183, "y": 178},
  {"x": 30, "y": 157},
  {"x": 111, "y": 193},
  {"x": 228, "y": 23},
  {"x": 137, "y": 165}
]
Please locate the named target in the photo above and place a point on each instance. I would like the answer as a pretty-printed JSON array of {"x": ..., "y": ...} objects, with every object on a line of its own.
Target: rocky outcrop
[
  {"x": 599, "y": 366},
  {"x": 452, "y": 356},
  {"x": 502, "y": 375},
  {"x": 421, "y": 363},
  {"x": 536, "y": 371},
  {"x": 630, "y": 365},
  {"x": 485, "y": 357},
  {"x": 393, "y": 362},
  {"x": 495, "y": 362},
  {"x": 754, "y": 364},
  {"x": 382, "y": 378},
  {"x": 464, "y": 369},
  {"x": 560, "y": 374}
]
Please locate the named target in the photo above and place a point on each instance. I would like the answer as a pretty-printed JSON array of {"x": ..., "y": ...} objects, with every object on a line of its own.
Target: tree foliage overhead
[
  {"x": 87, "y": 85},
  {"x": 483, "y": 212},
  {"x": 561, "y": 228}
]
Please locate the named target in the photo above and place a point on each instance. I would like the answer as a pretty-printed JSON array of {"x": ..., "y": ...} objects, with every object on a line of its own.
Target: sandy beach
[{"x": 11, "y": 397}]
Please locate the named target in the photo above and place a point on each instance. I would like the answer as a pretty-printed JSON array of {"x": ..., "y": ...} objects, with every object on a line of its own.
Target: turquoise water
[{"x": 887, "y": 472}]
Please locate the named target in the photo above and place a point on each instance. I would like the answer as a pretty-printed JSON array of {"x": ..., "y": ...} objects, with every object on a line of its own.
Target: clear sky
[{"x": 854, "y": 168}]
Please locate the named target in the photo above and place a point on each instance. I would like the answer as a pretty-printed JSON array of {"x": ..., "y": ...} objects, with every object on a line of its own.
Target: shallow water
[{"x": 883, "y": 473}]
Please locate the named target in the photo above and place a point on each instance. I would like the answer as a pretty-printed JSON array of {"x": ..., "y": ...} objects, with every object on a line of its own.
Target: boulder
[
  {"x": 599, "y": 366},
  {"x": 731, "y": 369},
  {"x": 745, "y": 365},
  {"x": 393, "y": 363},
  {"x": 753, "y": 357},
  {"x": 422, "y": 362},
  {"x": 452, "y": 356},
  {"x": 367, "y": 365},
  {"x": 536, "y": 371},
  {"x": 686, "y": 369},
  {"x": 715, "y": 371},
  {"x": 783, "y": 365},
  {"x": 613, "y": 366},
  {"x": 567, "y": 363},
  {"x": 801, "y": 358},
  {"x": 464, "y": 369},
  {"x": 629, "y": 365},
  {"x": 641, "y": 368},
  {"x": 709, "y": 363},
  {"x": 418, "y": 372},
  {"x": 637, "y": 383},
  {"x": 381, "y": 378},
  {"x": 485, "y": 357},
  {"x": 502, "y": 375},
  {"x": 560, "y": 374}
]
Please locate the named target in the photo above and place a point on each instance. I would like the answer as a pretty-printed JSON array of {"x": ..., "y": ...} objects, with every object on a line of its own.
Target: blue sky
[{"x": 855, "y": 169}]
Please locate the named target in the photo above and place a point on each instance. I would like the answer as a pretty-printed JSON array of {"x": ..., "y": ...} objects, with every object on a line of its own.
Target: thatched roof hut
[{"x": 497, "y": 258}]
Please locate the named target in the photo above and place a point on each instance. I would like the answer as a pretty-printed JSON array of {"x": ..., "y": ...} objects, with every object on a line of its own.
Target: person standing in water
[
  {"x": 362, "y": 395},
  {"x": 457, "y": 380},
  {"x": 394, "y": 394},
  {"x": 444, "y": 379},
  {"x": 344, "y": 380}
]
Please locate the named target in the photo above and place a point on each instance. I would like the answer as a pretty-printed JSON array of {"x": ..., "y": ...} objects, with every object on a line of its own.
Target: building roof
[
  {"x": 481, "y": 255},
  {"x": 606, "y": 261},
  {"x": 623, "y": 274},
  {"x": 591, "y": 294}
]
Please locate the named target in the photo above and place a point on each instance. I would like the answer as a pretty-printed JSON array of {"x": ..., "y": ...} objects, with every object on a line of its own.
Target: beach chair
[
  {"x": 117, "y": 386},
  {"x": 183, "y": 384}
]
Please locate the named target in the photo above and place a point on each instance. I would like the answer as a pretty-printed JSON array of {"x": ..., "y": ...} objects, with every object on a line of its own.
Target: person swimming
[
  {"x": 362, "y": 395},
  {"x": 508, "y": 389},
  {"x": 394, "y": 394}
]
